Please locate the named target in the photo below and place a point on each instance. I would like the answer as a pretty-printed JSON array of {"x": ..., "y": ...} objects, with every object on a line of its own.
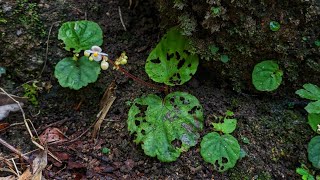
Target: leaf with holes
[
  {"x": 80, "y": 35},
  {"x": 314, "y": 151},
  {"x": 171, "y": 62},
  {"x": 76, "y": 74},
  {"x": 227, "y": 126},
  {"x": 166, "y": 127},
  {"x": 221, "y": 151},
  {"x": 266, "y": 76}
]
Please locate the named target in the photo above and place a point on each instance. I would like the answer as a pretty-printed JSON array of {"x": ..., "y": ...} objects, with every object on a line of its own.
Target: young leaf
[
  {"x": 80, "y": 35},
  {"x": 221, "y": 151},
  {"x": 266, "y": 76},
  {"x": 166, "y": 127},
  {"x": 310, "y": 91},
  {"x": 228, "y": 126},
  {"x": 170, "y": 62},
  {"x": 76, "y": 74},
  {"x": 313, "y": 107},
  {"x": 314, "y": 151},
  {"x": 314, "y": 121}
]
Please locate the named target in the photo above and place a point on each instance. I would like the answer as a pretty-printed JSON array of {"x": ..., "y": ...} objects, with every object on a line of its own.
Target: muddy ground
[{"x": 275, "y": 125}]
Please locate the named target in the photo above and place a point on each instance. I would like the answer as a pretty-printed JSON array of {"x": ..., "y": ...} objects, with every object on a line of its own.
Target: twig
[
  {"x": 120, "y": 14},
  {"x": 13, "y": 149},
  {"x": 15, "y": 166},
  {"x": 28, "y": 128},
  {"x": 47, "y": 48}
]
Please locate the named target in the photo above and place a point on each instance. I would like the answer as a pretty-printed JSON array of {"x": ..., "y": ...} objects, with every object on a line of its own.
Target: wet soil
[{"x": 275, "y": 125}]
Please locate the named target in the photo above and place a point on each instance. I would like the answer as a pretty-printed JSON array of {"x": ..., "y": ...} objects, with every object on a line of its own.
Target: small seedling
[
  {"x": 224, "y": 58},
  {"x": 105, "y": 150},
  {"x": 306, "y": 173},
  {"x": 221, "y": 150},
  {"x": 267, "y": 76},
  {"x": 274, "y": 26}
]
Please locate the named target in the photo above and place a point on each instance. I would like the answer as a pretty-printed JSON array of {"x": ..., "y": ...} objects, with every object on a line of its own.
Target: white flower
[{"x": 95, "y": 53}]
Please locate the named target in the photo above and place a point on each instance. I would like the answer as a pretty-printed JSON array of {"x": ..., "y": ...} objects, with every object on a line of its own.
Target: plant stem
[{"x": 154, "y": 86}]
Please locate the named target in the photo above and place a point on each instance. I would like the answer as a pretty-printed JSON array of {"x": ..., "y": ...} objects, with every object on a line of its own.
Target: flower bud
[{"x": 104, "y": 65}]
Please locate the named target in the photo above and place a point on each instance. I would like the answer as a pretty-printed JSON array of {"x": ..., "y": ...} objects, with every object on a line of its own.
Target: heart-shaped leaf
[
  {"x": 314, "y": 121},
  {"x": 76, "y": 74},
  {"x": 266, "y": 76},
  {"x": 221, "y": 151},
  {"x": 166, "y": 127},
  {"x": 310, "y": 91},
  {"x": 80, "y": 35},
  {"x": 171, "y": 62},
  {"x": 314, "y": 151}
]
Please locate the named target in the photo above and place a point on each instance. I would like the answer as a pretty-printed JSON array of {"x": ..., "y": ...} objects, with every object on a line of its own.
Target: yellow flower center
[{"x": 95, "y": 54}]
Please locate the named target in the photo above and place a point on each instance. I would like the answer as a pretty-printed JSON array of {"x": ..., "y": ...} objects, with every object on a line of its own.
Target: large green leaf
[
  {"x": 314, "y": 151},
  {"x": 227, "y": 126},
  {"x": 221, "y": 151},
  {"x": 166, "y": 127},
  {"x": 80, "y": 35},
  {"x": 170, "y": 62},
  {"x": 266, "y": 76},
  {"x": 313, "y": 107},
  {"x": 314, "y": 121},
  {"x": 310, "y": 91},
  {"x": 76, "y": 74}
]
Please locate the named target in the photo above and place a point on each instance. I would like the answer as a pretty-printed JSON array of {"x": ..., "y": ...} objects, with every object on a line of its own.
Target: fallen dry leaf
[
  {"x": 38, "y": 165},
  {"x": 105, "y": 104},
  {"x": 52, "y": 135}
]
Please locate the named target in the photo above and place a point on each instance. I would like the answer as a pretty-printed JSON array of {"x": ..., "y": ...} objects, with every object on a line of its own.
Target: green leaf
[
  {"x": 310, "y": 91},
  {"x": 314, "y": 121},
  {"x": 221, "y": 151},
  {"x": 80, "y": 35},
  {"x": 305, "y": 174},
  {"x": 266, "y": 76},
  {"x": 314, "y": 151},
  {"x": 229, "y": 113},
  {"x": 228, "y": 126},
  {"x": 224, "y": 58},
  {"x": 313, "y": 107},
  {"x": 166, "y": 127},
  {"x": 76, "y": 74},
  {"x": 170, "y": 62}
]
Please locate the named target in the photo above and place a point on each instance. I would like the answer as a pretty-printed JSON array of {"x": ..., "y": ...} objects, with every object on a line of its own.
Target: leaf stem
[{"x": 154, "y": 86}]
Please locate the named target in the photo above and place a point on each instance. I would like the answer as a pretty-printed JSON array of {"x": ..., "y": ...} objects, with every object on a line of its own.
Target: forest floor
[{"x": 273, "y": 132}]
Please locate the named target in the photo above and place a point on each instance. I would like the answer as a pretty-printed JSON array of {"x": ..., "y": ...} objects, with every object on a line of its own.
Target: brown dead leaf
[
  {"x": 38, "y": 165},
  {"x": 105, "y": 104},
  {"x": 52, "y": 135},
  {"x": 3, "y": 126}
]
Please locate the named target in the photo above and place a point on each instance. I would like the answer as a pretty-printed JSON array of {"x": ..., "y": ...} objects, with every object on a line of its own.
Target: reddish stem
[{"x": 160, "y": 88}]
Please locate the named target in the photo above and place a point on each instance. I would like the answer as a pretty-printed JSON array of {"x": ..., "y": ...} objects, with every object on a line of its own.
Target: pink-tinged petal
[{"x": 96, "y": 48}]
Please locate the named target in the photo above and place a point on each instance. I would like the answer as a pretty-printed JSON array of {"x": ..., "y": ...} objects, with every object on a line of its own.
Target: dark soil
[{"x": 277, "y": 131}]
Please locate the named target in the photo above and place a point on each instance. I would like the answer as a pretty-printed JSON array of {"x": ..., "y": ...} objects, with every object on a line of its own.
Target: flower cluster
[{"x": 96, "y": 54}]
